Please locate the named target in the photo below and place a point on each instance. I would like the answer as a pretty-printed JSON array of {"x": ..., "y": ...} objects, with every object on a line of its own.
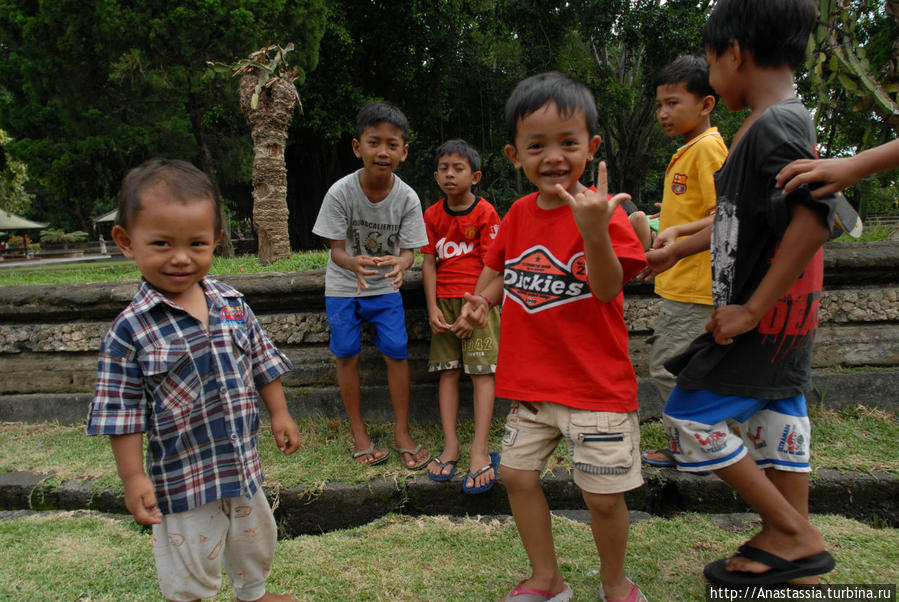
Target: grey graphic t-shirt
[{"x": 374, "y": 229}]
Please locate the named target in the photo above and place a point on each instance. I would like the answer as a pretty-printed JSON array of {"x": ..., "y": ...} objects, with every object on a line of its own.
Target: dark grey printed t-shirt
[
  {"x": 374, "y": 229},
  {"x": 771, "y": 361}
]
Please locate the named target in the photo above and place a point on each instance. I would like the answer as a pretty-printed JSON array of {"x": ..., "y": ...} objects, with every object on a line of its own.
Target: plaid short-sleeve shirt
[{"x": 191, "y": 389}]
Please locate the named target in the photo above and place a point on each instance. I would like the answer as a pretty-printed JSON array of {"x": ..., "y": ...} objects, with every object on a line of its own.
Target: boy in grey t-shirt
[{"x": 374, "y": 223}]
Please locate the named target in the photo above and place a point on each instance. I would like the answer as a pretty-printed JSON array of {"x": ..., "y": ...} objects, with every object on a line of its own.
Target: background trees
[{"x": 91, "y": 88}]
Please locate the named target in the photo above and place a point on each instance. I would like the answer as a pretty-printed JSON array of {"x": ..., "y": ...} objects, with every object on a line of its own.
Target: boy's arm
[
  {"x": 664, "y": 258},
  {"x": 354, "y": 263},
  {"x": 836, "y": 174},
  {"x": 287, "y": 435},
  {"x": 802, "y": 238},
  {"x": 487, "y": 292},
  {"x": 669, "y": 235},
  {"x": 140, "y": 496},
  {"x": 429, "y": 280}
]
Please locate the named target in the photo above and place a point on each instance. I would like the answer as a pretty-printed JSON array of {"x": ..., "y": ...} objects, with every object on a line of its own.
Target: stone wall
[{"x": 49, "y": 336}]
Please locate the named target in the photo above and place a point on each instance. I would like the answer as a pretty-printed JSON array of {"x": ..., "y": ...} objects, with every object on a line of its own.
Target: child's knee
[
  {"x": 516, "y": 480},
  {"x": 604, "y": 504}
]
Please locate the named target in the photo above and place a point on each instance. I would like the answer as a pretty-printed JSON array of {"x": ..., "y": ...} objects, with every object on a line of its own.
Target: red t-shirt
[
  {"x": 557, "y": 341},
  {"x": 459, "y": 240}
]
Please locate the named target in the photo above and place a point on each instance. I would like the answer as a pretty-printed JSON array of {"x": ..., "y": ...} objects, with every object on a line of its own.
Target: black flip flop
[{"x": 782, "y": 570}]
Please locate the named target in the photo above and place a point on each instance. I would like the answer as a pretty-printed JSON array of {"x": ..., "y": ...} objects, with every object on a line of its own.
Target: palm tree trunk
[{"x": 268, "y": 122}]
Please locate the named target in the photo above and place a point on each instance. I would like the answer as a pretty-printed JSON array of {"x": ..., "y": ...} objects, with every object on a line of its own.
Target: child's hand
[
  {"x": 140, "y": 499},
  {"x": 461, "y": 328},
  {"x": 835, "y": 174},
  {"x": 475, "y": 311},
  {"x": 666, "y": 237},
  {"x": 730, "y": 321},
  {"x": 657, "y": 261},
  {"x": 362, "y": 265},
  {"x": 592, "y": 209},
  {"x": 437, "y": 321},
  {"x": 396, "y": 273},
  {"x": 286, "y": 433}
]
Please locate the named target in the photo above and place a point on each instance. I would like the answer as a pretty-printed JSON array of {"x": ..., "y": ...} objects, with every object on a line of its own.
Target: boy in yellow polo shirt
[{"x": 684, "y": 101}]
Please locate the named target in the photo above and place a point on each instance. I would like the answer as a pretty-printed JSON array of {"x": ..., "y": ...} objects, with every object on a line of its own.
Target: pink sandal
[{"x": 529, "y": 594}]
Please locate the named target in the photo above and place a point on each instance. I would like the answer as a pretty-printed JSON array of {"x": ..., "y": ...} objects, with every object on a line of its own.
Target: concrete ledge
[
  {"x": 871, "y": 387},
  {"x": 301, "y": 511}
]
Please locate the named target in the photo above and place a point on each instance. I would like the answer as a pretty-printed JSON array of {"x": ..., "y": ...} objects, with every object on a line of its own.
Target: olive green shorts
[{"x": 476, "y": 355}]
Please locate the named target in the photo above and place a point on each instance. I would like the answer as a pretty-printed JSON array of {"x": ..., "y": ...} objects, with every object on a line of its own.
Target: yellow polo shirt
[{"x": 690, "y": 195}]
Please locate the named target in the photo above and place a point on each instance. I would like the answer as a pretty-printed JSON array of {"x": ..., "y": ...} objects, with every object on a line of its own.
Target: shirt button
[
  {"x": 222, "y": 391},
  {"x": 233, "y": 436}
]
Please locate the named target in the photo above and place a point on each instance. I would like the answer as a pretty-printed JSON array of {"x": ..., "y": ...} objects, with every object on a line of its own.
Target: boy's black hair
[
  {"x": 184, "y": 183},
  {"x": 690, "y": 69},
  {"x": 568, "y": 94},
  {"x": 461, "y": 147},
  {"x": 774, "y": 31},
  {"x": 378, "y": 112}
]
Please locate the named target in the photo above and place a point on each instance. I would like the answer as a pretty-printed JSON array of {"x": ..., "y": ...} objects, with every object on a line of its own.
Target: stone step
[{"x": 300, "y": 511}]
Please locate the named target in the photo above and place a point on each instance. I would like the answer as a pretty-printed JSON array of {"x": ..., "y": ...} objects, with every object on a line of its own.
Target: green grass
[
  {"x": 858, "y": 439},
  {"x": 85, "y": 556},
  {"x": 873, "y": 232},
  {"x": 69, "y": 273}
]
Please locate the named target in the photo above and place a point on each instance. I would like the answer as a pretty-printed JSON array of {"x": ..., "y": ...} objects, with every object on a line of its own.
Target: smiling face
[
  {"x": 553, "y": 149},
  {"x": 381, "y": 148},
  {"x": 681, "y": 112},
  {"x": 171, "y": 241}
]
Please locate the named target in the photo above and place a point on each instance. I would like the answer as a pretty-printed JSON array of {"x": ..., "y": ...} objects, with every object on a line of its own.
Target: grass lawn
[
  {"x": 85, "y": 556},
  {"x": 112, "y": 271},
  {"x": 858, "y": 439}
]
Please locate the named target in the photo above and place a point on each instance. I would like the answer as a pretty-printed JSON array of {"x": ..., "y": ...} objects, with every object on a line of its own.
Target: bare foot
[
  {"x": 437, "y": 470},
  {"x": 369, "y": 454},
  {"x": 410, "y": 459},
  {"x": 479, "y": 461},
  {"x": 790, "y": 547}
]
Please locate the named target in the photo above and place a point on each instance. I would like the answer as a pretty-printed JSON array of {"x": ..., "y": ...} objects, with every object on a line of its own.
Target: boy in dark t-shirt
[{"x": 738, "y": 405}]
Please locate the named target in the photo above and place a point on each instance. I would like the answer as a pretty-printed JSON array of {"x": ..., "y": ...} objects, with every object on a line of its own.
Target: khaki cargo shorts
[{"x": 604, "y": 447}]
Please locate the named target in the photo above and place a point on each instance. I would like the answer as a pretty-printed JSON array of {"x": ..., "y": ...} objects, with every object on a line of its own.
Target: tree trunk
[{"x": 268, "y": 124}]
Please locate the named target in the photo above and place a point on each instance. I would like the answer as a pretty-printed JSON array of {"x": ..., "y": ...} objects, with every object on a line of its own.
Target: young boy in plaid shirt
[{"x": 182, "y": 363}]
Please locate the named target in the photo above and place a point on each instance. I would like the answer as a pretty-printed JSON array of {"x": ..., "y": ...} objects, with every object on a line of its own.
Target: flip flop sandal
[
  {"x": 413, "y": 453},
  {"x": 494, "y": 464},
  {"x": 782, "y": 570},
  {"x": 529, "y": 594},
  {"x": 671, "y": 462},
  {"x": 636, "y": 594},
  {"x": 441, "y": 476},
  {"x": 370, "y": 451}
]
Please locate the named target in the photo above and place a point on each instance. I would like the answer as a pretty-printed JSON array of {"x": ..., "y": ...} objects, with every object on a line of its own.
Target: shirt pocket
[
  {"x": 601, "y": 442},
  {"x": 242, "y": 356},
  {"x": 171, "y": 378}
]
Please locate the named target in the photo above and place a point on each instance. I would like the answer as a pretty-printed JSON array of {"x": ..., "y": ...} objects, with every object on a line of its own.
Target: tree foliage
[
  {"x": 91, "y": 88},
  {"x": 13, "y": 176}
]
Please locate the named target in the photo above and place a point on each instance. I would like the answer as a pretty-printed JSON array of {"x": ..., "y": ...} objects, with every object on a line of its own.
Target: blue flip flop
[
  {"x": 494, "y": 464},
  {"x": 443, "y": 477},
  {"x": 670, "y": 462}
]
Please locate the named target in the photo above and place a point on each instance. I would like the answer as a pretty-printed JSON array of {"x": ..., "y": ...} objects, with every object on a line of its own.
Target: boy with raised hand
[
  {"x": 183, "y": 363},
  {"x": 738, "y": 407},
  {"x": 460, "y": 228},
  {"x": 561, "y": 258},
  {"x": 373, "y": 221},
  {"x": 684, "y": 101}
]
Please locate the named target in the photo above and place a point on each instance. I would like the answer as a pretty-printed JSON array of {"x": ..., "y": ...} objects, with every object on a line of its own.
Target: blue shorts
[
  {"x": 710, "y": 431},
  {"x": 345, "y": 317}
]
